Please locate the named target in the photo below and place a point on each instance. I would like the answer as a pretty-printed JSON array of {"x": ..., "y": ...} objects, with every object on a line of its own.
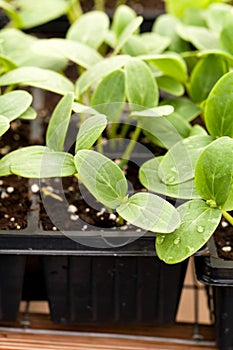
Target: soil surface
[
  {"x": 138, "y": 5},
  {"x": 224, "y": 240},
  {"x": 14, "y": 203},
  {"x": 65, "y": 204}
]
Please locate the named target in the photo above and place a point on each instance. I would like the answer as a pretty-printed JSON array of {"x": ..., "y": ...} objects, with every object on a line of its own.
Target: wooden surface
[{"x": 42, "y": 334}]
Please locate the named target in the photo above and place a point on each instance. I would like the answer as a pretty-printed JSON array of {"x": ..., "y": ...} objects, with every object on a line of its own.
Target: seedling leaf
[
  {"x": 59, "y": 122},
  {"x": 150, "y": 212},
  {"x": 198, "y": 222},
  {"x": 90, "y": 131},
  {"x": 102, "y": 177}
]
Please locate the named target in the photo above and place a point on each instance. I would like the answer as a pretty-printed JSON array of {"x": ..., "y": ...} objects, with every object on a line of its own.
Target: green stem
[
  {"x": 74, "y": 11},
  {"x": 99, "y": 145},
  {"x": 9, "y": 88},
  {"x": 99, "y": 5},
  {"x": 228, "y": 217},
  {"x": 130, "y": 147},
  {"x": 120, "y": 2}
]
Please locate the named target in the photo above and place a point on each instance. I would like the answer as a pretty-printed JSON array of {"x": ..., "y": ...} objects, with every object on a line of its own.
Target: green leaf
[
  {"x": 197, "y": 130},
  {"x": 76, "y": 52},
  {"x": 179, "y": 8},
  {"x": 154, "y": 112},
  {"x": 14, "y": 103},
  {"x": 123, "y": 15},
  {"x": 178, "y": 164},
  {"x": 6, "y": 64},
  {"x": 29, "y": 114},
  {"x": 184, "y": 107},
  {"x": 83, "y": 109},
  {"x": 164, "y": 132},
  {"x": 4, "y": 124},
  {"x": 43, "y": 164},
  {"x": 37, "y": 77},
  {"x": 214, "y": 173},
  {"x": 181, "y": 125},
  {"x": 148, "y": 175},
  {"x": 90, "y": 131},
  {"x": 98, "y": 71},
  {"x": 218, "y": 108},
  {"x": 109, "y": 96},
  {"x": 37, "y": 162},
  {"x": 141, "y": 89},
  {"x": 216, "y": 15},
  {"x": 198, "y": 222},
  {"x": 129, "y": 30},
  {"x": 150, "y": 212},
  {"x": 201, "y": 37},
  {"x": 146, "y": 43},
  {"x": 170, "y": 85},
  {"x": 155, "y": 43},
  {"x": 225, "y": 39},
  {"x": 102, "y": 177},
  {"x": 11, "y": 13},
  {"x": 204, "y": 76},
  {"x": 36, "y": 13},
  {"x": 89, "y": 29},
  {"x": 194, "y": 17},
  {"x": 20, "y": 48},
  {"x": 135, "y": 46},
  {"x": 169, "y": 64},
  {"x": 165, "y": 25},
  {"x": 59, "y": 122},
  {"x": 5, "y": 162},
  {"x": 160, "y": 130},
  {"x": 225, "y": 55}
]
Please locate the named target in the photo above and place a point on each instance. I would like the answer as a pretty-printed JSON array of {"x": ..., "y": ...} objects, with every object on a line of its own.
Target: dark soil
[
  {"x": 14, "y": 204},
  {"x": 139, "y": 6},
  {"x": 224, "y": 240},
  {"x": 17, "y": 136},
  {"x": 66, "y": 205}
]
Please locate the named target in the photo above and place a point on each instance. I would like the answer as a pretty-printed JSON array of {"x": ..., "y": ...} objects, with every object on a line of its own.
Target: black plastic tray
[
  {"x": 217, "y": 275},
  {"x": 212, "y": 270}
]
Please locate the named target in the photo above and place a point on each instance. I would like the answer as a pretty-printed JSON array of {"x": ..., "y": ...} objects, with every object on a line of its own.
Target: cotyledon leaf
[
  {"x": 148, "y": 175},
  {"x": 150, "y": 212},
  {"x": 102, "y": 177},
  {"x": 198, "y": 222}
]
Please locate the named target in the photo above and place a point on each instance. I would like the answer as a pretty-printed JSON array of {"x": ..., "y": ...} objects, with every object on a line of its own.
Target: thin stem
[
  {"x": 74, "y": 11},
  {"x": 228, "y": 217},
  {"x": 99, "y": 5},
  {"x": 9, "y": 88},
  {"x": 120, "y": 2},
  {"x": 130, "y": 147},
  {"x": 99, "y": 145}
]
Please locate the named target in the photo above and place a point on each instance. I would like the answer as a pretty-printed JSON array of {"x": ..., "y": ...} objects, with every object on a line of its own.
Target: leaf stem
[
  {"x": 99, "y": 5},
  {"x": 74, "y": 11},
  {"x": 228, "y": 217},
  {"x": 130, "y": 147}
]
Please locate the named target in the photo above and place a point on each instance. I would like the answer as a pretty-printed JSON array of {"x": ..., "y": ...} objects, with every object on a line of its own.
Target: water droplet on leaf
[
  {"x": 169, "y": 179},
  {"x": 176, "y": 241},
  {"x": 200, "y": 229},
  {"x": 160, "y": 239},
  {"x": 189, "y": 249}
]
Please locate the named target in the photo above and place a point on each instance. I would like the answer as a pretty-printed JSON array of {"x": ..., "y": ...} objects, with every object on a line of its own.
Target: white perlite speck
[
  {"x": 112, "y": 216},
  {"x": 224, "y": 224},
  {"x": 74, "y": 217},
  {"x": 35, "y": 188},
  {"x": 72, "y": 208},
  {"x": 10, "y": 189},
  {"x": 227, "y": 248}
]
